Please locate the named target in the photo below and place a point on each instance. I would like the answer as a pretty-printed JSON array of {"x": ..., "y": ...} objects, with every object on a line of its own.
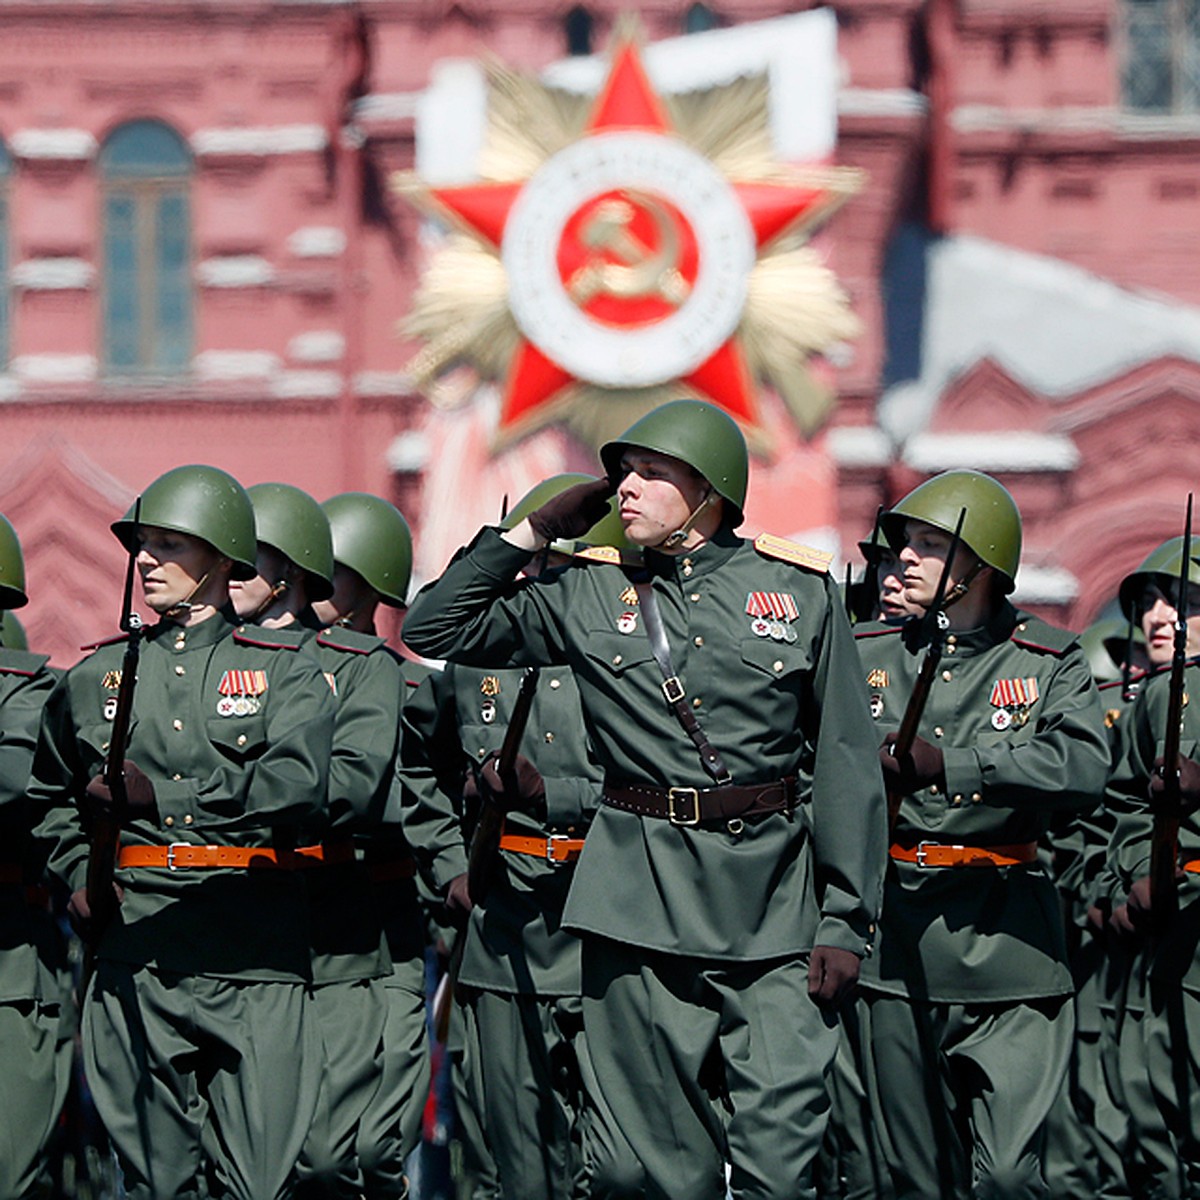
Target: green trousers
[
  {"x": 350, "y": 1016},
  {"x": 207, "y": 1087},
  {"x": 1172, "y": 1042},
  {"x": 702, "y": 1063},
  {"x": 390, "y": 1127},
  {"x": 476, "y": 1177},
  {"x": 963, "y": 1091}
]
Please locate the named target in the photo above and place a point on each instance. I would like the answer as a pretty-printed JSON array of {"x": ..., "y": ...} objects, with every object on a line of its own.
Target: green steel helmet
[
  {"x": 608, "y": 531},
  {"x": 12, "y": 632},
  {"x": 204, "y": 502},
  {"x": 699, "y": 434},
  {"x": 1161, "y": 566},
  {"x": 991, "y": 529},
  {"x": 12, "y": 568},
  {"x": 1098, "y": 641},
  {"x": 372, "y": 537},
  {"x": 293, "y": 523}
]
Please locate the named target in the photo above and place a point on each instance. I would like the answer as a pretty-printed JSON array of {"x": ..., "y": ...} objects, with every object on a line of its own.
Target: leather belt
[
  {"x": 391, "y": 870},
  {"x": 557, "y": 848},
  {"x": 1192, "y": 865},
  {"x": 693, "y": 806},
  {"x": 187, "y": 856},
  {"x": 934, "y": 854}
]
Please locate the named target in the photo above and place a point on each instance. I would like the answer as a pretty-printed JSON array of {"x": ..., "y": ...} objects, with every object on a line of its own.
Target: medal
[
  {"x": 778, "y": 631},
  {"x": 629, "y": 596},
  {"x": 773, "y": 613},
  {"x": 627, "y": 622},
  {"x": 1001, "y": 719},
  {"x": 877, "y": 677},
  {"x": 489, "y": 685},
  {"x": 239, "y": 691},
  {"x": 111, "y": 681},
  {"x": 876, "y": 706},
  {"x": 110, "y": 708},
  {"x": 760, "y": 627},
  {"x": 487, "y": 711},
  {"x": 225, "y": 706},
  {"x": 1013, "y": 699}
]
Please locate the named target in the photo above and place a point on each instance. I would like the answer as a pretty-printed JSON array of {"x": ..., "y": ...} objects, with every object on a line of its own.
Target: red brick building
[{"x": 202, "y": 261}]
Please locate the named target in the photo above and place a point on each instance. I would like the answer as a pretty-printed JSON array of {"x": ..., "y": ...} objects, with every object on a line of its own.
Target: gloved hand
[
  {"x": 458, "y": 897},
  {"x": 1189, "y": 784},
  {"x": 79, "y": 912},
  {"x": 573, "y": 512},
  {"x": 139, "y": 792},
  {"x": 1138, "y": 903},
  {"x": 921, "y": 767},
  {"x": 524, "y": 789},
  {"x": 832, "y": 975}
]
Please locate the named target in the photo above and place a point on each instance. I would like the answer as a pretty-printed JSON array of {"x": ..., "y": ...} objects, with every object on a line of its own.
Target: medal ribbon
[
  {"x": 243, "y": 683},
  {"x": 779, "y": 605},
  {"x": 1014, "y": 693}
]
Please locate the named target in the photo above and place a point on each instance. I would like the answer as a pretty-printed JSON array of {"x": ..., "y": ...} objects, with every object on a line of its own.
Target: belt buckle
[
  {"x": 922, "y": 853},
  {"x": 683, "y": 795},
  {"x": 171, "y": 854},
  {"x": 673, "y": 690},
  {"x": 551, "y": 839}
]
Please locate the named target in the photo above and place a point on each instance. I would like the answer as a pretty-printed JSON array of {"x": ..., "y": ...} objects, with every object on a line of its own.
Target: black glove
[
  {"x": 572, "y": 513},
  {"x": 524, "y": 789},
  {"x": 832, "y": 975},
  {"x": 458, "y": 898},
  {"x": 1189, "y": 784},
  {"x": 920, "y": 767},
  {"x": 139, "y": 792}
]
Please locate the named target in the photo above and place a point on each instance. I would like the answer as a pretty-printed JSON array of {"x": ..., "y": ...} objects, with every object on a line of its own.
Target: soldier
[
  {"x": 35, "y": 1025},
  {"x": 1158, "y": 1065},
  {"x": 198, "y": 1045},
  {"x": 520, "y": 972},
  {"x": 350, "y": 960},
  {"x": 966, "y": 1016},
  {"x": 879, "y": 595},
  {"x": 729, "y": 882},
  {"x": 372, "y": 554}
]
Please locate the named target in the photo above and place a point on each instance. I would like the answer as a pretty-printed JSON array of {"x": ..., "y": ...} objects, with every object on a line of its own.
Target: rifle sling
[{"x": 672, "y": 688}]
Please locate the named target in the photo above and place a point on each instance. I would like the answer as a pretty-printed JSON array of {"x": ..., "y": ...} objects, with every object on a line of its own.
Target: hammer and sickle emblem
[{"x": 641, "y": 271}]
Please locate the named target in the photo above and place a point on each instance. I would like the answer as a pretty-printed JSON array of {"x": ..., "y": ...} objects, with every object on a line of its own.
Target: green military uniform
[
  {"x": 1169, "y": 1027},
  {"x": 966, "y": 1011},
  {"x": 725, "y": 913}
]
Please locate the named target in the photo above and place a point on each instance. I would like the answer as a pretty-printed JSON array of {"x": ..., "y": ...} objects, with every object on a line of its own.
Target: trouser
[
  {"x": 476, "y": 1175},
  {"x": 701, "y": 1061},
  {"x": 35, "y": 1053},
  {"x": 963, "y": 1091},
  {"x": 207, "y": 1087},
  {"x": 1172, "y": 1042},
  {"x": 350, "y": 1017},
  {"x": 391, "y": 1126}
]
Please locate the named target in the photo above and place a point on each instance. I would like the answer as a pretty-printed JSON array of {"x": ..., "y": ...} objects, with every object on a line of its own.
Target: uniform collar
[
  {"x": 967, "y": 641},
  {"x": 692, "y": 564},
  {"x": 177, "y": 637}
]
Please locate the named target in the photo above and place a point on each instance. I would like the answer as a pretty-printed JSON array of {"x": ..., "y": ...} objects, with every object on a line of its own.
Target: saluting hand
[
  {"x": 920, "y": 767},
  {"x": 573, "y": 512},
  {"x": 832, "y": 975},
  {"x": 1189, "y": 784},
  {"x": 139, "y": 793}
]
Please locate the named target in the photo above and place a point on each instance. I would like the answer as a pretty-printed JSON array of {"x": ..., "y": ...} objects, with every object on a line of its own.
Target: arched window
[
  {"x": 699, "y": 18},
  {"x": 1161, "y": 72},
  {"x": 577, "y": 25},
  {"x": 5, "y": 306},
  {"x": 147, "y": 290}
]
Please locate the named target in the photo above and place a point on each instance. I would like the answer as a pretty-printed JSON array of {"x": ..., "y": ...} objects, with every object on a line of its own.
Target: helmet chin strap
[
  {"x": 674, "y": 539},
  {"x": 279, "y": 588},
  {"x": 186, "y": 606},
  {"x": 963, "y": 586}
]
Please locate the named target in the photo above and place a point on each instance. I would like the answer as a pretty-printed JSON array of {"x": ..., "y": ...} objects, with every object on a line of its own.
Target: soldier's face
[
  {"x": 656, "y": 495},
  {"x": 351, "y": 594},
  {"x": 924, "y": 556},
  {"x": 174, "y": 565},
  {"x": 249, "y": 595},
  {"x": 1158, "y": 622},
  {"x": 890, "y": 575}
]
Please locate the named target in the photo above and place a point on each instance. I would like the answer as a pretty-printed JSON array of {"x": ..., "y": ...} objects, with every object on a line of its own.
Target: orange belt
[
  {"x": 557, "y": 848},
  {"x": 932, "y": 854},
  {"x": 389, "y": 870},
  {"x": 1193, "y": 865},
  {"x": 184, "y": 856}
]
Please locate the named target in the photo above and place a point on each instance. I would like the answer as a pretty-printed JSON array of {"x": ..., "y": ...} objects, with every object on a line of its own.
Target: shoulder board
[
  {"x": 771, "y": 546},
  {"x": 269, "y": 639},
  {"x": 21, "y": 662},
  {"x": 874, "y": 629},
  {"x": 347, "y": 640},
  {"x": 112, "y": 641},
  {"x": 1035, "y": 634},
  {"x": 602, "y": 554}
]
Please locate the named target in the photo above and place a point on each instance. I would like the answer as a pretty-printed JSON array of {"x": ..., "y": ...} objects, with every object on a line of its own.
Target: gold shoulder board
[
  {"x": 605, "y": 554},
  {"x": 793, "y": 552}
]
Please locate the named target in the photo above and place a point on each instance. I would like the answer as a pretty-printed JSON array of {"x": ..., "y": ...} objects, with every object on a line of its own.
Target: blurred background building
[{"x": 201, "y": 260}]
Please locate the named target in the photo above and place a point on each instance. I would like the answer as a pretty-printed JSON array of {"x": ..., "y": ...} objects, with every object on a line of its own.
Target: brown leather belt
[
  {"x": 391, "y": 870},
  {"x": 186, "y": 856},
  {"x": 934, "y": 854},
  {"x": 557, "y": 848},
  {"x": 694, "y": 806}
]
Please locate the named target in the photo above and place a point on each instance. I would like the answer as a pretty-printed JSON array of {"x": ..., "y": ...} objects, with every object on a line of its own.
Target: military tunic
[
  {"x": 35, "y": 1028},
  {"x": 976, "y": 955},
  {"x": 199, "y": 966},
  {"x": 1170, "y": 1025},
  {"x": 731, "y": 908}
]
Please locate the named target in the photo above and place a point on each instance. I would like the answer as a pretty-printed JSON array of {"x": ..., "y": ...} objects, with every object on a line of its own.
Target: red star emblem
[{"x": 629, "y": 258}]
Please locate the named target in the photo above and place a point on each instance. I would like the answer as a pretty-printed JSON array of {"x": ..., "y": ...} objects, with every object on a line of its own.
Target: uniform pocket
[
  {"x": 777, "y": 659},
  {"x": 617, "y": 652},
  {"x": 238, "y": 738}
]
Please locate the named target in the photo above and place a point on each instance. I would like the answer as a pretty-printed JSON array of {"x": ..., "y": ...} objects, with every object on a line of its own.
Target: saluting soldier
[
  {"x": 198, "y": 1044},
  {"x": 729, "y": 882},
  {"x": 525, "y": 1050},
  {"x": 966, "y": 1014},
  {"x": 295, "y": 561},
  {"x": 35, "y": 1026},
  {"x": 372, "y": 556},
  {"x": 1160, "y": 1020}
]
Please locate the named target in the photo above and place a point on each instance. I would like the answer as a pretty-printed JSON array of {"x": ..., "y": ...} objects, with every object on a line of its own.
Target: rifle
[
  {"x": 934, "y": 625},
  {"x": 485, "y": 846},
  {"x": 106, "y": 828},
  {"x": 1164, "y": 844}
]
